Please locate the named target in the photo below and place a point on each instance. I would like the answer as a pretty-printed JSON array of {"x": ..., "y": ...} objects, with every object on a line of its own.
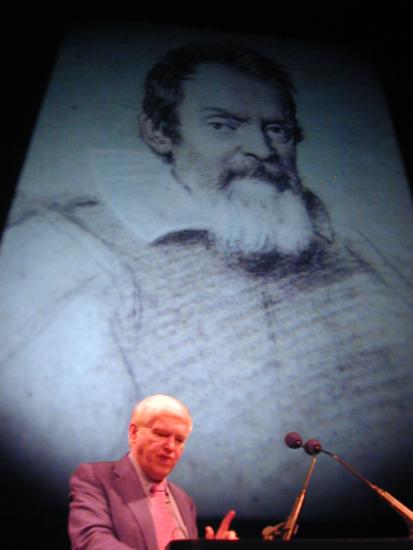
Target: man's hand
[{"x": 223, "y": 532}]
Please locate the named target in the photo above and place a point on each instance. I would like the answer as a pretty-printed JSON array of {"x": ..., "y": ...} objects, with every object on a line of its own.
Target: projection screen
[{"x": 267, "y": 303}]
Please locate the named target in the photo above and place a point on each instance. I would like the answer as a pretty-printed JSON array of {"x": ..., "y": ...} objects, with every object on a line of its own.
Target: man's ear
[
  {"x": 153, "y": 137},
  {"x": 133, "y": 432}
]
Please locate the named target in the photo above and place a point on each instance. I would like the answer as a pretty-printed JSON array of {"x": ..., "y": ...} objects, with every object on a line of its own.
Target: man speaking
[{"x": 129, "y": 503}]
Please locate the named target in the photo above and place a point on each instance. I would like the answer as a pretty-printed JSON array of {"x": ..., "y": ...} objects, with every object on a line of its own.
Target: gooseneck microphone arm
[
  {"x": 289, "y": 528},
  {"x": 405, "y": 512},
  {"x": 313, "y": 447}
]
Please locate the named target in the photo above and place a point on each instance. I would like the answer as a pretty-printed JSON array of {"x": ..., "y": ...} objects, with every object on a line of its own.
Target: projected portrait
[{"x": 170, "y": 236}]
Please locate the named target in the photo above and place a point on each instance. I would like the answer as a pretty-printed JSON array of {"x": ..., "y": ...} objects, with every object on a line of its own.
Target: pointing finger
[{"x": 226, "y": 522}]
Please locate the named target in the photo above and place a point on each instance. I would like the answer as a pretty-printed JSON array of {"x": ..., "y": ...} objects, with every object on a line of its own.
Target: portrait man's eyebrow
[{"x": 222, "y": 223}]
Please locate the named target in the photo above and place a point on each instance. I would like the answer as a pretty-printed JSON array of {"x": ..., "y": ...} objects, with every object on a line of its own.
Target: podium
[{"x": 297, "y": 544}]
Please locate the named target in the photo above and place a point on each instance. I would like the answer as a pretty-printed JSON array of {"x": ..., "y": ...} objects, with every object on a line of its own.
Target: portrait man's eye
[
  {"x": 280, "y": 132},
  {"x": 223, "y": 125}
]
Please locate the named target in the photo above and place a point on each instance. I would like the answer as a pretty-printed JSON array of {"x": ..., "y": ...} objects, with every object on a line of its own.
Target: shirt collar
[{"x": 147, "y": 482}]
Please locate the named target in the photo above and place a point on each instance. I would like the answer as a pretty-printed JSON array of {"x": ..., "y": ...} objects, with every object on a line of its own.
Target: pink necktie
[{"x": 165, "y": 523}]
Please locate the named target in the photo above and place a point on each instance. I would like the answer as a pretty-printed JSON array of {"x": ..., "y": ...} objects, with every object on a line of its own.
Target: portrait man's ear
[{"x": 154, "y": 137}]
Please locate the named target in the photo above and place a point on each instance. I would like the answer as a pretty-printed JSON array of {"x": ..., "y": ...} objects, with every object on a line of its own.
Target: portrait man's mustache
[{"x": 269, "y": 171}]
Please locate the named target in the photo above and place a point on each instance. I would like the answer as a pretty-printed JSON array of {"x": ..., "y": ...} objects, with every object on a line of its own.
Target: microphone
[
  {"x": 314, "y": 447},
  {"x": 288, "y": 528},
  {"x": 293, "y": 440}
]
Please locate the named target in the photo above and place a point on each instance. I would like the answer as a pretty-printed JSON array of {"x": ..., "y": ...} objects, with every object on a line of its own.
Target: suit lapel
[
  {"x": 129, "y": 487},
  {"x": 184, "y": 509}
]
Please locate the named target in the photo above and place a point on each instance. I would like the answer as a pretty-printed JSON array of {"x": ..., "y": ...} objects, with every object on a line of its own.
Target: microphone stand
[
  {"x": 289, "y": 528},
  {"x": 400, "y": 508}
]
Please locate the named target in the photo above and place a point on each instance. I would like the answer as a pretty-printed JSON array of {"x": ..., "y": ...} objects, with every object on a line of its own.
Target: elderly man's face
[
  {"x": 236, "y": 157},
  {"x": 232, "y": 126},
  {"x": 159, "y": 446}
]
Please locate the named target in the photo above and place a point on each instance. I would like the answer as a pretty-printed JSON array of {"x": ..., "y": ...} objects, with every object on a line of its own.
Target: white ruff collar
[{"x": 144, "y": 194}]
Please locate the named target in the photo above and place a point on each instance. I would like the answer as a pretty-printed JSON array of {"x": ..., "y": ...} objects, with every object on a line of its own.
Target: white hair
[{"x": 154, "y": 406}]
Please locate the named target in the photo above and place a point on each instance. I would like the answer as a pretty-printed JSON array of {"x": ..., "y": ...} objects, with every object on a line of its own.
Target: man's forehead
[
  {"x": 218, "y": 86},
  {"x": 167, "y": 418}
]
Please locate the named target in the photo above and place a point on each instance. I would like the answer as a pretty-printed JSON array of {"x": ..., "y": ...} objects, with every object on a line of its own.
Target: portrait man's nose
[{"x": 254, "y": 143}]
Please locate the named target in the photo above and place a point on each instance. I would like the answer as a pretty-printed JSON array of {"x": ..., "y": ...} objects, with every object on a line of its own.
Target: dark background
[{"x": 30, "y": 46}]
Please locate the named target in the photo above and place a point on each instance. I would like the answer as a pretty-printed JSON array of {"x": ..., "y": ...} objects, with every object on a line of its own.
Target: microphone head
[
  {"x": 293, "y": 440},
  {"x": 312, "y": 447}
]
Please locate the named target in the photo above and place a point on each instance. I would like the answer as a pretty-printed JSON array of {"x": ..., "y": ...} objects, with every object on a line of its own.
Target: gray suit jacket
[{"x": 108, "y": 509}]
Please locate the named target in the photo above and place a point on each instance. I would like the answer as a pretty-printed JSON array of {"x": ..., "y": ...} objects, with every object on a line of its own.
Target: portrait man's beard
[{"x": 261, "y": 212}]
